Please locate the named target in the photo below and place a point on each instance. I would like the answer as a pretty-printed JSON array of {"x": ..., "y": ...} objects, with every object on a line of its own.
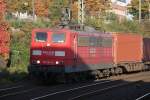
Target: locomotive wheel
[
  {"x": 68, "y": 78},
  {"x": 76, "y": 77},
  {"x": 95, "y": 74},
  {"x": 100, "y": 74},
  {"x": 71, "y": 78},
  {"x": 118, "y": 71},
  {"x": 81, "y": 77},
  {"x": 61, "y": 78},
  {"x": 106, "y": 73},
  {"x": 112, "y": 71},
  {"x": 36, "y": 79}
]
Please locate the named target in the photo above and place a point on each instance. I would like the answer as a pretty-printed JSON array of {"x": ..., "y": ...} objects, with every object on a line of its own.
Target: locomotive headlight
[
  {"x": 57, "y": 62},
  {"x": 36, "y": 52},
  {"x": 38, "y": 62}
]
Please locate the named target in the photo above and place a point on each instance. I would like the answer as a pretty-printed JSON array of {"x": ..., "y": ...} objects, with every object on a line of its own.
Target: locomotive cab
[{"x": 49, "y": 50}]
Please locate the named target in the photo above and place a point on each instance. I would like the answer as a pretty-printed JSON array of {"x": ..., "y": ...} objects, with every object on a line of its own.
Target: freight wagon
[{"x": 69, "y": 54}]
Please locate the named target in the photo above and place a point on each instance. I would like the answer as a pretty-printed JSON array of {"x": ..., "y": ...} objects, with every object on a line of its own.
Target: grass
[
  {"x": 11, "y": 75},
  {"x": 115, "y": 25}
]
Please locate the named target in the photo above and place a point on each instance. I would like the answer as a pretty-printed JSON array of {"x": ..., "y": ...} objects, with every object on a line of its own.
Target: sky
[{"x": 122, "y": 2}]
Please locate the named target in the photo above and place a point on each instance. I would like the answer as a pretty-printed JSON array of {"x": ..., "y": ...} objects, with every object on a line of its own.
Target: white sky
[{"x": 121, "y": 3}]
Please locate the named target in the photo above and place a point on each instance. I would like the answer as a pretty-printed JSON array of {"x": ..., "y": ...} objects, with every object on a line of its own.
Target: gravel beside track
[
  {"x": 124, "y": 87},
  {"x": 128, "y": 92}
]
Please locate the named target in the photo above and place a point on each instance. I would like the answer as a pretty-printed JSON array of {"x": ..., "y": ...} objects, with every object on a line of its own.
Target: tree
[
  {"x": 49, "y": 7},
  {"x": 40, "y": 8},
  {"x": 19, "y": 6},
  {"x": 53, "y": 8},
  {"x": 3, "y": 24},
  {"x": 92, "y": 7},
  {"x": 74, "y": 9},
  {"x": 95, "y": 7},
  {"x": 134, "y": 8},
  {"x": 2, "y": 9}
]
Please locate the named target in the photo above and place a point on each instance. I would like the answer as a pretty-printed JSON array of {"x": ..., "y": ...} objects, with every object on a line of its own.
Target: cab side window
[
  {"x": 93, "y": 41},
  {"x": 83, "y": 41},
  {"x": 41, "y": 37}
]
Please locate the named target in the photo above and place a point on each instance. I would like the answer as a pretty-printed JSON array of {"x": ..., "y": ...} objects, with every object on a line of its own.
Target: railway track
[
  {"x": 143, "y": 97},
  {"x": 72, "y": 91},
  {"x": 81, "y": 92},
  {"x": 103, "y": 90},
  {"x": 15, "y": 89}
]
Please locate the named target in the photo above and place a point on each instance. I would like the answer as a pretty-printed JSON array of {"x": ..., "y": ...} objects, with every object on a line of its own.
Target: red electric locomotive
[{"x": 65, "y": 53}]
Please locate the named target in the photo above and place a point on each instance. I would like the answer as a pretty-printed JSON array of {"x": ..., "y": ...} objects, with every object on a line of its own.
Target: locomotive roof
[
  {"x": 85, "y": 32},
  {"x": 45, "y": 29}
]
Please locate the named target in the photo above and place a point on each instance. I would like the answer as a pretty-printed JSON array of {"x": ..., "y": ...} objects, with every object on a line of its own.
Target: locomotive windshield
[
  {"x": 41, "y": 37},
  {"x": 58, "y": 38}
]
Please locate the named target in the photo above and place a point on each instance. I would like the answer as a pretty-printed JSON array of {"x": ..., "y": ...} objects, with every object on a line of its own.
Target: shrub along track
[{"x": 72, "y": 91}]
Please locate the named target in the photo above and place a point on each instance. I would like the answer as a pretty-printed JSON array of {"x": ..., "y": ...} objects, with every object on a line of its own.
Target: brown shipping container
[
  {"x": 146, "y": 49},
  {"x": 127, "y": 48}
]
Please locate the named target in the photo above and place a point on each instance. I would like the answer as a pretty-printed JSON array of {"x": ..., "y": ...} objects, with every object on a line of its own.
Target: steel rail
[
  {"x": 100, "y": 90},
  {"x": 10, "y": 88},
  {"x": 108, "y": 88},
  {"x": 51, "y": 94},
  {"x": 16, "y": 93},
  {"x": 140, "y": 98},
  {"x": 77, "y": 88},
  {"x": 54, "y": 91}
]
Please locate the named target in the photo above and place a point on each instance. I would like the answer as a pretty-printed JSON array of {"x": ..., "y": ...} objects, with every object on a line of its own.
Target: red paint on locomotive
[
  {"x": 74, "y": 53},
  {"x": 49, "y": 51}
]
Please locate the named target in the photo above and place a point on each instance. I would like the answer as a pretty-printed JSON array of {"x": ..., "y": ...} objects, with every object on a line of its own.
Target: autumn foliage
[
  {"x": 94, "y": 7},
  {"x": 4, "y": 35},
  {"x": 91, "y": 7},
  {"x": 41, "y": 8}
]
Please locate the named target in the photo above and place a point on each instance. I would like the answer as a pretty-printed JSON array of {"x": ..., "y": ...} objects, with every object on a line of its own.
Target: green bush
[
  {"x": 20, "y": 45},
  {"x": 125, "y": 26},
  {"x": 115, "y": 25}
]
